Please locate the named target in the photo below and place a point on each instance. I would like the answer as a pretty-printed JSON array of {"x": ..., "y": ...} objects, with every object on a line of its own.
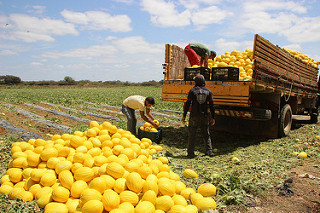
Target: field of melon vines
[{"x": 41, "y": 112}]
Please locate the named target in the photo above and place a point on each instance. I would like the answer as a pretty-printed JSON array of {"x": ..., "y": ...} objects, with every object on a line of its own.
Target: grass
[{"x": 263, "y": 164}]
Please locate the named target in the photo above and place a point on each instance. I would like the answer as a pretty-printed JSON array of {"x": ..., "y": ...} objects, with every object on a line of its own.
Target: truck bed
[{"x": 274, "y": 71}]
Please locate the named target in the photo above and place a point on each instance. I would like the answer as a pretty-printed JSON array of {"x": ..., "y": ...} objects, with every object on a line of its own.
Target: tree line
[{"x": 14, "y": 80}]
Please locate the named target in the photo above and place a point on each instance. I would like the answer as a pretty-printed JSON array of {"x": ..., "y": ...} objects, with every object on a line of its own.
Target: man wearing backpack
[{"x": 200, "y": 99}]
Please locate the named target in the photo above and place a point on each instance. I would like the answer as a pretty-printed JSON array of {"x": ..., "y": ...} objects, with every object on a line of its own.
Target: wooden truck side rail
[{"x": 278, "y": 69}]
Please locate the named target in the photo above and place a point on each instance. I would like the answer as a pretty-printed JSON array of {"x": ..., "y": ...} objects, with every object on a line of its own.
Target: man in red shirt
[{"x": 196, "y": 50}]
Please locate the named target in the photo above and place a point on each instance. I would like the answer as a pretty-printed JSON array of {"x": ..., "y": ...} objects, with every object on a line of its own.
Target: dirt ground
[{"x": 304, "y": 182}]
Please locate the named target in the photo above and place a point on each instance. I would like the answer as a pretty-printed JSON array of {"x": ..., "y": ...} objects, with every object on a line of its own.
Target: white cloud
[
  {"x": 194, "y": 5},
  {"x": 136, "y": 44},
  {"x": 284, "y": 18},
  {"x": 124, "y": 1},
  {"x": 222, "y": 45},
  {"x": 185, "y": 12},
  {"x": 7, "y": 52},
  {"x": 37, "y": 9},
  {"x": 209, "y": 15},
  {"x": 263, "y": 22},
  {"x": 36, "y": 64},
  {"x": 165, "y": 14},
  {"x": 258, "y": 5},
  {"x": 30, "y": 29},
  {"x": 122, "y": 46},
  {"x": 97, "y": 20},
  {"x": 304, "y": 30},
  {"x": 83, "y": 53}
]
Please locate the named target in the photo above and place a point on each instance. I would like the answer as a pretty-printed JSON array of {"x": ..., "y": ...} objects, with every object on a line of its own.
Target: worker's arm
[
  {"x": 212, "y": 109},
  {"x": 204, "y": 61},
  {"x": 146, "y": 119},
  {"x": 185, "y": 110}
]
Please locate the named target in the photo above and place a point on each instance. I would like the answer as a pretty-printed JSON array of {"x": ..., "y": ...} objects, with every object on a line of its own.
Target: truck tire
[{"x": 285, "y": 120}]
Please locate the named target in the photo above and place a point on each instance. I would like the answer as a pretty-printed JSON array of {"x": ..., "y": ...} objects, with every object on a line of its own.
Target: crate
[
  {"x": 225, "y": 74},
  {"x": 190, "y": 73},
  {"x": 154, "y": 136}
]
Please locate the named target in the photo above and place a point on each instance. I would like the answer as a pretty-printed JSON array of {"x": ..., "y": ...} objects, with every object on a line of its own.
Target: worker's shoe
[
  {"x": 210, "y": 154},
  {"x": 190, "y": 155}
]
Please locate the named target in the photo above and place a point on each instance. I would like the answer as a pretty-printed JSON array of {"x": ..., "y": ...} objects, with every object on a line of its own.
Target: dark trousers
[
  {"x": 201, "y": 122},
  {"x": 131, "y": 117}
]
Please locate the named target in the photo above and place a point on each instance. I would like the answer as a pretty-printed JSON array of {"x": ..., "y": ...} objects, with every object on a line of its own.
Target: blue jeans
[{"x": 131, "y": 117}]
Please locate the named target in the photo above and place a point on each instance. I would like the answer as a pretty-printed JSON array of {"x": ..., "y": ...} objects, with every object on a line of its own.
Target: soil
[{"x": 303, "y": 181}]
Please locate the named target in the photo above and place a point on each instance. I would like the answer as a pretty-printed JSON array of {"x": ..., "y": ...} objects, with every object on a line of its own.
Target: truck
[{"x": 281, "y": 86}]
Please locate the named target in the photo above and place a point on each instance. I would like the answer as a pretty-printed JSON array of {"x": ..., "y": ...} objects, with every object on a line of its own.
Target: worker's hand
[
  {"x": 154, "y": 125},
  {"x": 212, "y": 121}
]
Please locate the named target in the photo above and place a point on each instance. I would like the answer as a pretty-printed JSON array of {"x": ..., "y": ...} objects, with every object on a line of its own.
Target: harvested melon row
[{"x": 104, "y": 169}]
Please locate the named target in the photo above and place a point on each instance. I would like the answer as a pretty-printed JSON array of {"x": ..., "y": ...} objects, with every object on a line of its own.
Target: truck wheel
[{"x": 285, "y": 121}]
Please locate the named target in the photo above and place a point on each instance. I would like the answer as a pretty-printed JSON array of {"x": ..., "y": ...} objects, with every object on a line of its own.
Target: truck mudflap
[{"x": 247, "y": 113}]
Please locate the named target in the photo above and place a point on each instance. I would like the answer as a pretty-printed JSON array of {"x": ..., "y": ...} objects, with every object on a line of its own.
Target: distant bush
[{"x": 10, "y": 79}]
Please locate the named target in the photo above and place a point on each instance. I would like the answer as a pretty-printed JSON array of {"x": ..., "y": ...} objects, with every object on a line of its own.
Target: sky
[{"x": 109, "y": 40}]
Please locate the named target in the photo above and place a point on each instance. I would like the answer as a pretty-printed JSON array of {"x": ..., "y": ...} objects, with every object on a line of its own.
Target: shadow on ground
[{"x": 175, "y": 140}]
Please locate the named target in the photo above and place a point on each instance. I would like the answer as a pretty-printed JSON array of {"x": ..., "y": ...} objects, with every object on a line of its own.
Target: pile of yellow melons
[
  {"x": 104, "y": 169},
  {"x": 303, "y": 57},
  {"x": 148, "y": 127},
  {"x": 241, "y": 60}
]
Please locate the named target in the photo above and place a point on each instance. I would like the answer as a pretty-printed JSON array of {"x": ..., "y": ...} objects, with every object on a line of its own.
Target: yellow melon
[
  {"x": 179, "y": 200},
  {"x": 84, "y": 173},
  {"x": 36, "y": 174},
  {"x": 66, "y": 179},
  {"x": 166, "y": 187},
  {"x": 129, "y": 196},
  {"x": 187, "y": 192},
  {"x": 76, "y": 141},
  {"x": 206, "y": 203},
  {"x": 44, "y": 199},
  {"x": 207, "y": 190},
  {"x": 15, "y": 174},
  {"x": 54, "y": 206},
  {"x": 34, "y": 189},
  {"x": 92, "y": 206},
  {"x": 90, "y": 194},
  {"x": 164, "y": 203},
  {"x": 78, "y": 187},
  {"x": 134, "y": 182},
  {"x": 110, "y": 200},
  {"x": 5, "y": 189},
  {"x": 150, "y": 196},
  {"x": 115, "y": 170},
  {"x": 72, "y": 204},
  {"x": 42, "y": 191},
  {"x": 15, "y": 192},
  {"x": 60, "y": 194},
  {"x": 126, "y": 207},
  {"x": 145, "y": 207},
  {"x": 48, "y": 153},
  {"x": 191, "y": 209},
  {"x": 195, "y": 197},
  {"x": 120, "y": 185},
  {"x": 63, "y": 165},
  {"x": 178, "y": 209},
  {"x": 52, "y": 162},
  {"x": 99, "y": 184},
  {"x": 189, "y": 173},
  {"x": 33, "y": 159}
]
